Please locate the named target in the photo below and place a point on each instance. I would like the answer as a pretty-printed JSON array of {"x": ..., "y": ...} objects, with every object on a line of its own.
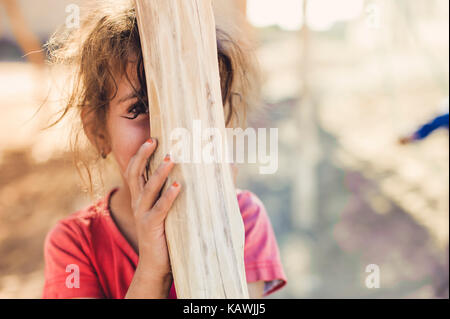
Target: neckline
[{"x": 117, "y": 234}]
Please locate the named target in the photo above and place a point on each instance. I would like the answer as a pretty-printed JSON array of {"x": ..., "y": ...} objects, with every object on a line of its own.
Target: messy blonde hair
[{"x": 101, "y": 47}]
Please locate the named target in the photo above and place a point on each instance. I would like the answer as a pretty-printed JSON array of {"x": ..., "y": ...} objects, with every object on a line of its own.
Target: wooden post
[
  {"x": 304, "y": 180},
  {"x": 28, "y": 42},
  {"x": 204, "y": 229},
  {"x": 234, "y": 11},
  {"x": 233, "y": 15}
]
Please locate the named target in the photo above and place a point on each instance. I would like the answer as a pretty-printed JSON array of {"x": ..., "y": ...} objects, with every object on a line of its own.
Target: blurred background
[{"x": 343, "y": 81}]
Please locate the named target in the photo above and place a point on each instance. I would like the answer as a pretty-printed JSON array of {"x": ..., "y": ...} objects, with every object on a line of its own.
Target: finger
[
  {"x": 155, "y": 183},
  {"x": 137, "y": 164},
  {"x": 161, "y": 209},
  {"x": 144, "y": 161}
]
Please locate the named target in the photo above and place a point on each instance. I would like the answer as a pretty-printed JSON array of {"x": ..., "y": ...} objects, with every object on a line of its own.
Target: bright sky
[{"x": 287, "y": 14}]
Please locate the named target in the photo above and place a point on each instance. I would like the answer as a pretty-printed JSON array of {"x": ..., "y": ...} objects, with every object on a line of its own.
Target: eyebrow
[{"x": 128, "y": 97}]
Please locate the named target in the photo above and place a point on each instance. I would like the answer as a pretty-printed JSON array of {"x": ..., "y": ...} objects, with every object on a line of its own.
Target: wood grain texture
[{"x": 204, "y": 229}]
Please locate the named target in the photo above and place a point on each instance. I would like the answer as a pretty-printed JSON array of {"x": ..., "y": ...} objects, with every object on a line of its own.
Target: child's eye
[{"x": 137, "y": 109}]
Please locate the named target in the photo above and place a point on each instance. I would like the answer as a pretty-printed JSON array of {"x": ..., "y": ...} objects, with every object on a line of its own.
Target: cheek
[{"x": 126, "y": 138}]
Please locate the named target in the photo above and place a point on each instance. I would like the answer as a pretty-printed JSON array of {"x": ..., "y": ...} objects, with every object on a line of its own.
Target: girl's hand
[{"x": 150, "y": 209}]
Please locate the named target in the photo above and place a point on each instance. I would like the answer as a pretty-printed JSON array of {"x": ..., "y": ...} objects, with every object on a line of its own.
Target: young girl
[{"x": 116, "y": 248}]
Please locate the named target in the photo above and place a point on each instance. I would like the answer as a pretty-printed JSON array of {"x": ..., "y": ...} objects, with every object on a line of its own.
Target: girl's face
[{"x": 127, "y": 120}]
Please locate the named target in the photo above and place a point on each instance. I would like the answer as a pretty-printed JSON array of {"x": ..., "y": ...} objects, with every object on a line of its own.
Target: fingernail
[
  {"x": 167, "y": 158},
  {"x": 150, "y": 141},
  {"x": 175, "y": 184}
]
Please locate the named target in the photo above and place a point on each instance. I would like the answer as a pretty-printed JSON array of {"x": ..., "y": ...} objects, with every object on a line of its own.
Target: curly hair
[{"x": 102, "y": 46}]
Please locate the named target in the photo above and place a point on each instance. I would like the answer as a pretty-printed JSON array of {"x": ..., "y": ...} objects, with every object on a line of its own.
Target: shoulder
[
  {"x": 68, "y": 247},
  {"x": 75, "y": 231},
  {"x": 253, "y": 213},
  {"x": 257, "y": 225},
  {"x": 248, "y": 202},
  {"x": 252, "y": 209},
  {"x": 261, "y": 252}
]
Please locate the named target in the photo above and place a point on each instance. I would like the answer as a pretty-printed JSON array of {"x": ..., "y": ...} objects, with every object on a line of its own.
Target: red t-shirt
[{"x": 88, "y": 244}]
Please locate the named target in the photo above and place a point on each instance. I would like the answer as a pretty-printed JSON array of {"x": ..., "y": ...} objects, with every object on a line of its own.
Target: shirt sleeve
[
  {"x": 438, "y": 122},
  {"x": 68, "y": 270},
  {"x": 261, "y": 254}
]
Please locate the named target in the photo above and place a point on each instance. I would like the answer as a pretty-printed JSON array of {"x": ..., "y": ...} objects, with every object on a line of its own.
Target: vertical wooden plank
[
  {"x": 204, "y": 229},
  {"x": 233, "y": 15},
  {"x": 26, "y": 39},
  {"x": 304, "y": 179}
]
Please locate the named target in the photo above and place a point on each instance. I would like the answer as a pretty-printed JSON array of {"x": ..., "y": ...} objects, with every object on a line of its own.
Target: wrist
[
  {"x": 149, "y": 284},
  {"x": 151, "y": 269},
  {"x": 155, "y": 274},
  {"x": 152, "y": 274}
]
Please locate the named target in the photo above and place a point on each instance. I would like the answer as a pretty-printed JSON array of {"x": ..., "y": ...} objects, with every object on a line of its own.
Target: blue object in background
[{"x": 440, "y": 121}]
